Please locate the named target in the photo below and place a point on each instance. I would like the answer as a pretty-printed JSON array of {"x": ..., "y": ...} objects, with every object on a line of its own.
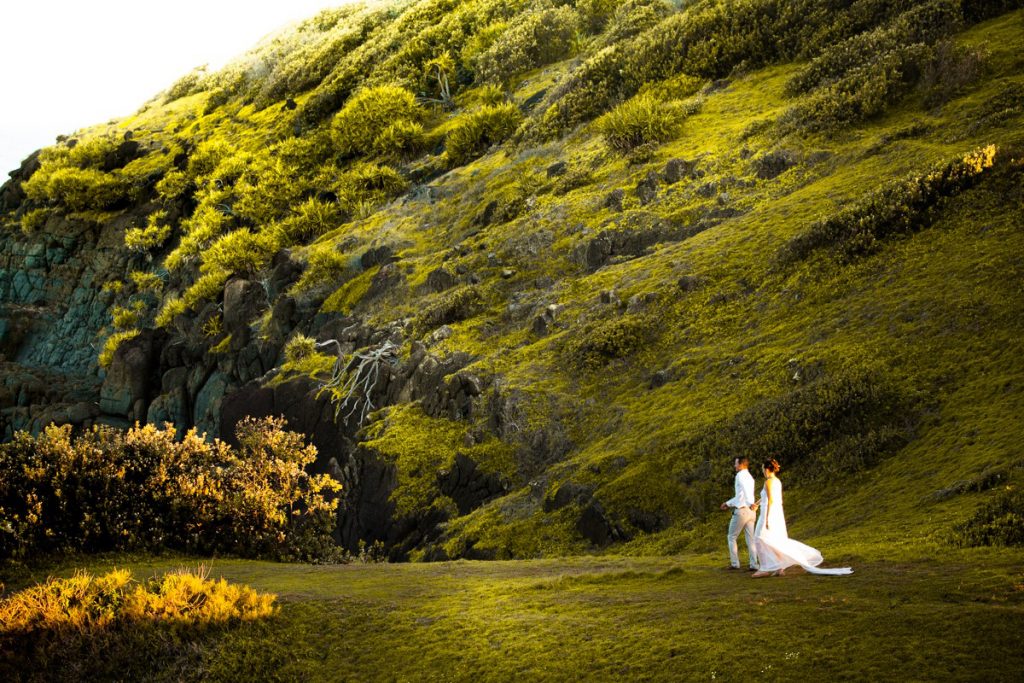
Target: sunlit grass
[{"x": 904, "y": 614}]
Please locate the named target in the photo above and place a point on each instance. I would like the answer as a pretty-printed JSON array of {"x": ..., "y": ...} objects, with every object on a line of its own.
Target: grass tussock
[
  {"x": 642, "y": 120},
  {"x": 54, "y": 630}
]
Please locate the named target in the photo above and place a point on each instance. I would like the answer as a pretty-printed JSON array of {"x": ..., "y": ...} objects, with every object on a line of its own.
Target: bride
[{"x": 775, "y": 549}]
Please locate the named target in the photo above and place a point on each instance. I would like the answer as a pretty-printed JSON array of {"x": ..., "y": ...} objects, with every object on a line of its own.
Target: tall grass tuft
[
  {"x": 55, "y": 629},
  {"x": 642, "y": 120}
]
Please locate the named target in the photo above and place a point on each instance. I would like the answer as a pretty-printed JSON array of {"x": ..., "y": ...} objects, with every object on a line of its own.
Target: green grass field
[{"x": 918, "y": 612}]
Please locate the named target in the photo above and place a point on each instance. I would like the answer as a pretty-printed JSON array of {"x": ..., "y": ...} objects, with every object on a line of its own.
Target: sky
[{"x": 69, "y": 64}]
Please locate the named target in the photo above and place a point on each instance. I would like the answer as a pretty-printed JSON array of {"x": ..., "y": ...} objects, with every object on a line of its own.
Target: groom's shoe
[
  {"x": 732, "y": 568},
  {"x": 751, "y": 569}
]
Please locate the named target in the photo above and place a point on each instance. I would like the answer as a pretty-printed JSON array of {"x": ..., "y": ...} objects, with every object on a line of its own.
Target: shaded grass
[{"x": 952, "y": 616}]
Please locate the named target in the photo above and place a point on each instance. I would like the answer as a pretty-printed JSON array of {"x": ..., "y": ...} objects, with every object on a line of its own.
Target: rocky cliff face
[
  {"x": 52, "y": 308},
  {"x": 527, "y": 274},
  {"x": 55, "y": 311}
]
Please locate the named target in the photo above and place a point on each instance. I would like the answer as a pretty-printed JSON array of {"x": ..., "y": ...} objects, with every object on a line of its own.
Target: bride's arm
[{"x": 768, "y": 510}]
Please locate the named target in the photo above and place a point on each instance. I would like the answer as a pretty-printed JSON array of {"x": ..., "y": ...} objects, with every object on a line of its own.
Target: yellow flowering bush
[
  {"x": 54, "y": 629},
  {"x": 142, "y": 489}
]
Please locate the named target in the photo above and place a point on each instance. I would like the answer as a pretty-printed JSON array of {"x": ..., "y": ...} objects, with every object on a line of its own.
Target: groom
[{"x": 744, "y": 513}]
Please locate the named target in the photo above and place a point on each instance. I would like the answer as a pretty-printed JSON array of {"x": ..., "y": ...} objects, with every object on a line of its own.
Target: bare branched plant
[{"x": 351, "y": 384}]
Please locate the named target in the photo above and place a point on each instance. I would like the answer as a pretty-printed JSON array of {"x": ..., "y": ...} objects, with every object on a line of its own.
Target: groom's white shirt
[{"x": 744, "y": 490}]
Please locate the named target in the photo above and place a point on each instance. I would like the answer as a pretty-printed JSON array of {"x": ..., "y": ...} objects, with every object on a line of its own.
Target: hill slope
[{"x": 575, "y": 256}]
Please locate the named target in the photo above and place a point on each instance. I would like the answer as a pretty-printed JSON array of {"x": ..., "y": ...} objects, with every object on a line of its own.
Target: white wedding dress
[{"x": 775, "y": 549}]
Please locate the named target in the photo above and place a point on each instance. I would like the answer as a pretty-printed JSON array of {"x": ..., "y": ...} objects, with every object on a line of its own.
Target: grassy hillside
[
  {"x": 573, "y": 257},
  {"x": 663, "y": 233}
]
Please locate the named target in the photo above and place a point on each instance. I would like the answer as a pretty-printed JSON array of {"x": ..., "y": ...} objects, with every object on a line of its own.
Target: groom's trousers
[{"x": 742, "y": 521}]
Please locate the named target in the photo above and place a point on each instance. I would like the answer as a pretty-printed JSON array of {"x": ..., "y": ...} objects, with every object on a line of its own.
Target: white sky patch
[{"x": 69, "y": 64}]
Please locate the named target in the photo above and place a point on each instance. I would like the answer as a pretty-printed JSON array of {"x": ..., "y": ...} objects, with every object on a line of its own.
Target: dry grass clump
[
  {"x": 88, "y": 627},
  {"x": 85, "y": 603}
]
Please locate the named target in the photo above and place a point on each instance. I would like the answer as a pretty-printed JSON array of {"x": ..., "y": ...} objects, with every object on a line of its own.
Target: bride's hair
[{"x": 771, "y": 465}]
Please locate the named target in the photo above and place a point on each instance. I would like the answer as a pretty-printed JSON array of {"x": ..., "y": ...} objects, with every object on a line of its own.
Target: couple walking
[{"x": 769, "y": 546}]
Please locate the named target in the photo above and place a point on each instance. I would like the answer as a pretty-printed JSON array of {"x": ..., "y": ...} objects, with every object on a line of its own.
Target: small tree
[{"x": 442, "y": 68}]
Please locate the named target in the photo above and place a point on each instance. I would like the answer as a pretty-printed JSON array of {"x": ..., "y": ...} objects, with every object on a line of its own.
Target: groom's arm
[{"x": 734, "y": 501}]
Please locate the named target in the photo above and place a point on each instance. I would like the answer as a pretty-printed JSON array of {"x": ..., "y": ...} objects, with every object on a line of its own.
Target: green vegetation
[
  {"x": 472, "y": 134},
  {"x": 112, "y": 343},
  {"x": 150, "y": 237},
  {"x": 142, "y": 489},
  {"x": 899, "y": 207},
  {"x": 638, "y": 238},
  {"x": 948, "y": 615},
  {"x": 656, "y": 233},
  {"x": 47, "y": 631},
  {"x": 33, "y": 220},
  {"x": 536, "y": 39},
  {"x": 423, "y": 448},
  {"x": 998, "y": 523},
  {"x": 367, "y": 122},
  {"x": 642, "y": 120}
]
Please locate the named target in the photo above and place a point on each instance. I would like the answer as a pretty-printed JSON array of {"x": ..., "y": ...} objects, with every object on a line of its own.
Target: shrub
[
  {"x": 112, "y": 287},
  {"x": 241, "y": 251},
  {"x": 861, "y": 94},
  {"x": 173, "y": 306},
  {"x": 709, "y": 40},
  {"x": 146, "y": 282},
  {"x": 951, "y": 72},
  {"x": 34, "y": 220},
  {"x": 642, "y": 120},
  {"x": 86, "y": 603},
  {"x": 479, "y": 43},
  {"x": 207, "y": 156},
  {"x": 368, "y": 114},
  {"x": 55, "y": 628},
  {"x": 596, "y": 85},
  {"x": 125, "y": 317},
  {"x": 924, "y": 24},
  {"x": 79, "y": 189},
  {"x": 326, "y": 264},
  {"x": 263, "y": 188},
  {"x": 173, "y": 185},
  {"x": 305, "y": 67},
  {"x": 366, "y": 184},
  {"x": 900, "y": 207},
  {"x": 604, "y": 341},
  {"x": 108, "y": 490},
  {"x": 200, "y": 229},
  {"x": 111, "y": 345},
  {"x": 452, "y": 306},
  {"x": 312, "y": 218},
  {"x": 490, "y": 95},
  {"x": 537, "y": 39},
  {"x": 153, "y": 236},
  {"x": 207, "y": 287},
  {"x": 188, "y": 84},
  {"x": 830, "y": 427},
  {"x": 473, "y": 134},
  {"x": 595, "y": 14},
  {"x": 299, "y": 348},
  {"x": 401, "y": 140},
  {"x": 633, "y": 17},
  {"x": 999, "y": 522}
]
